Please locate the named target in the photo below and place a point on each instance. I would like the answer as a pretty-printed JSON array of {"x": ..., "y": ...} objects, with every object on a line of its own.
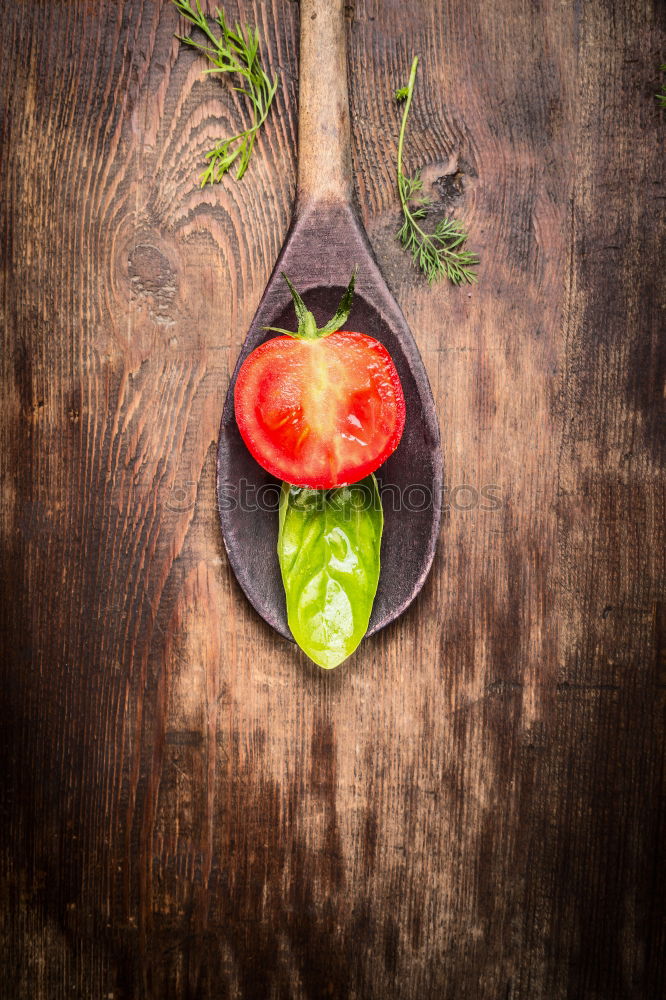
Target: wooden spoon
[{"x": 324, "y": 242}]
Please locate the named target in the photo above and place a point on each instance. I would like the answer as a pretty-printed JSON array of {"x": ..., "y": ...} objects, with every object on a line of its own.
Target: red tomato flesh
[{"x": 320, "y": 413}]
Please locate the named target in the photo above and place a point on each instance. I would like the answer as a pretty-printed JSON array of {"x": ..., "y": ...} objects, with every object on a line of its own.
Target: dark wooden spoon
[{"x": 324, "y": 242}]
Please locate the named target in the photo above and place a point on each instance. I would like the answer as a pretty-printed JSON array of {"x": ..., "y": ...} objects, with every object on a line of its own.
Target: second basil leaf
[{"x": 328, "y": 547}]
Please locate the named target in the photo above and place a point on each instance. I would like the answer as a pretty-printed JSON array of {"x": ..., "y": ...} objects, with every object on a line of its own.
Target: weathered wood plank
[{"x": 471, "y": 807}]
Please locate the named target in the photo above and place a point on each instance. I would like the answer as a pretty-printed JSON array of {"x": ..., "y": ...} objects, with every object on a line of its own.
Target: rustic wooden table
[{"x": 469, "y": 808}]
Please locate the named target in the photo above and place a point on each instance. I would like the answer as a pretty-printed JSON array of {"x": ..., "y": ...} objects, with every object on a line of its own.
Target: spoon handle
[{"x": 324, "y": 141}]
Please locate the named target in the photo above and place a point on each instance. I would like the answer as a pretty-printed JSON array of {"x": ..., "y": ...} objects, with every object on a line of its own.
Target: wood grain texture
[{"x": 472, "y": 806}]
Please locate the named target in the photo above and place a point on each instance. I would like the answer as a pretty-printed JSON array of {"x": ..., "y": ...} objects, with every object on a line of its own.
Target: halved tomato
[{"x": 322, "y": 411}]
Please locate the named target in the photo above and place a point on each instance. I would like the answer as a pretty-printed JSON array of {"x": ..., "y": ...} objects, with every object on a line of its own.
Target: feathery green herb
[
  {"x": 661, "y": 96},
  {"x": 440, "y": 253},
  {"x": 235, "y": 51}
]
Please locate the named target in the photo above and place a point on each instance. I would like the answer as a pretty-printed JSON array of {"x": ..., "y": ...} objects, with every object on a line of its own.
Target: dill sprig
[
  {"x": 235, "y": 51},
  {"x": 661, "y": 96},
  {"x": 440, "y": 253}
]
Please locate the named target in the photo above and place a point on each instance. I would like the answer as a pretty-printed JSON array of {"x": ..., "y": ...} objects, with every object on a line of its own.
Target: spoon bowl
[{"x": 324, "y": 243}]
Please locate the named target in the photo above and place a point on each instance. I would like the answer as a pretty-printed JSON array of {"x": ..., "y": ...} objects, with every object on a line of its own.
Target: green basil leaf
[{"x": 328, "y": 547}]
